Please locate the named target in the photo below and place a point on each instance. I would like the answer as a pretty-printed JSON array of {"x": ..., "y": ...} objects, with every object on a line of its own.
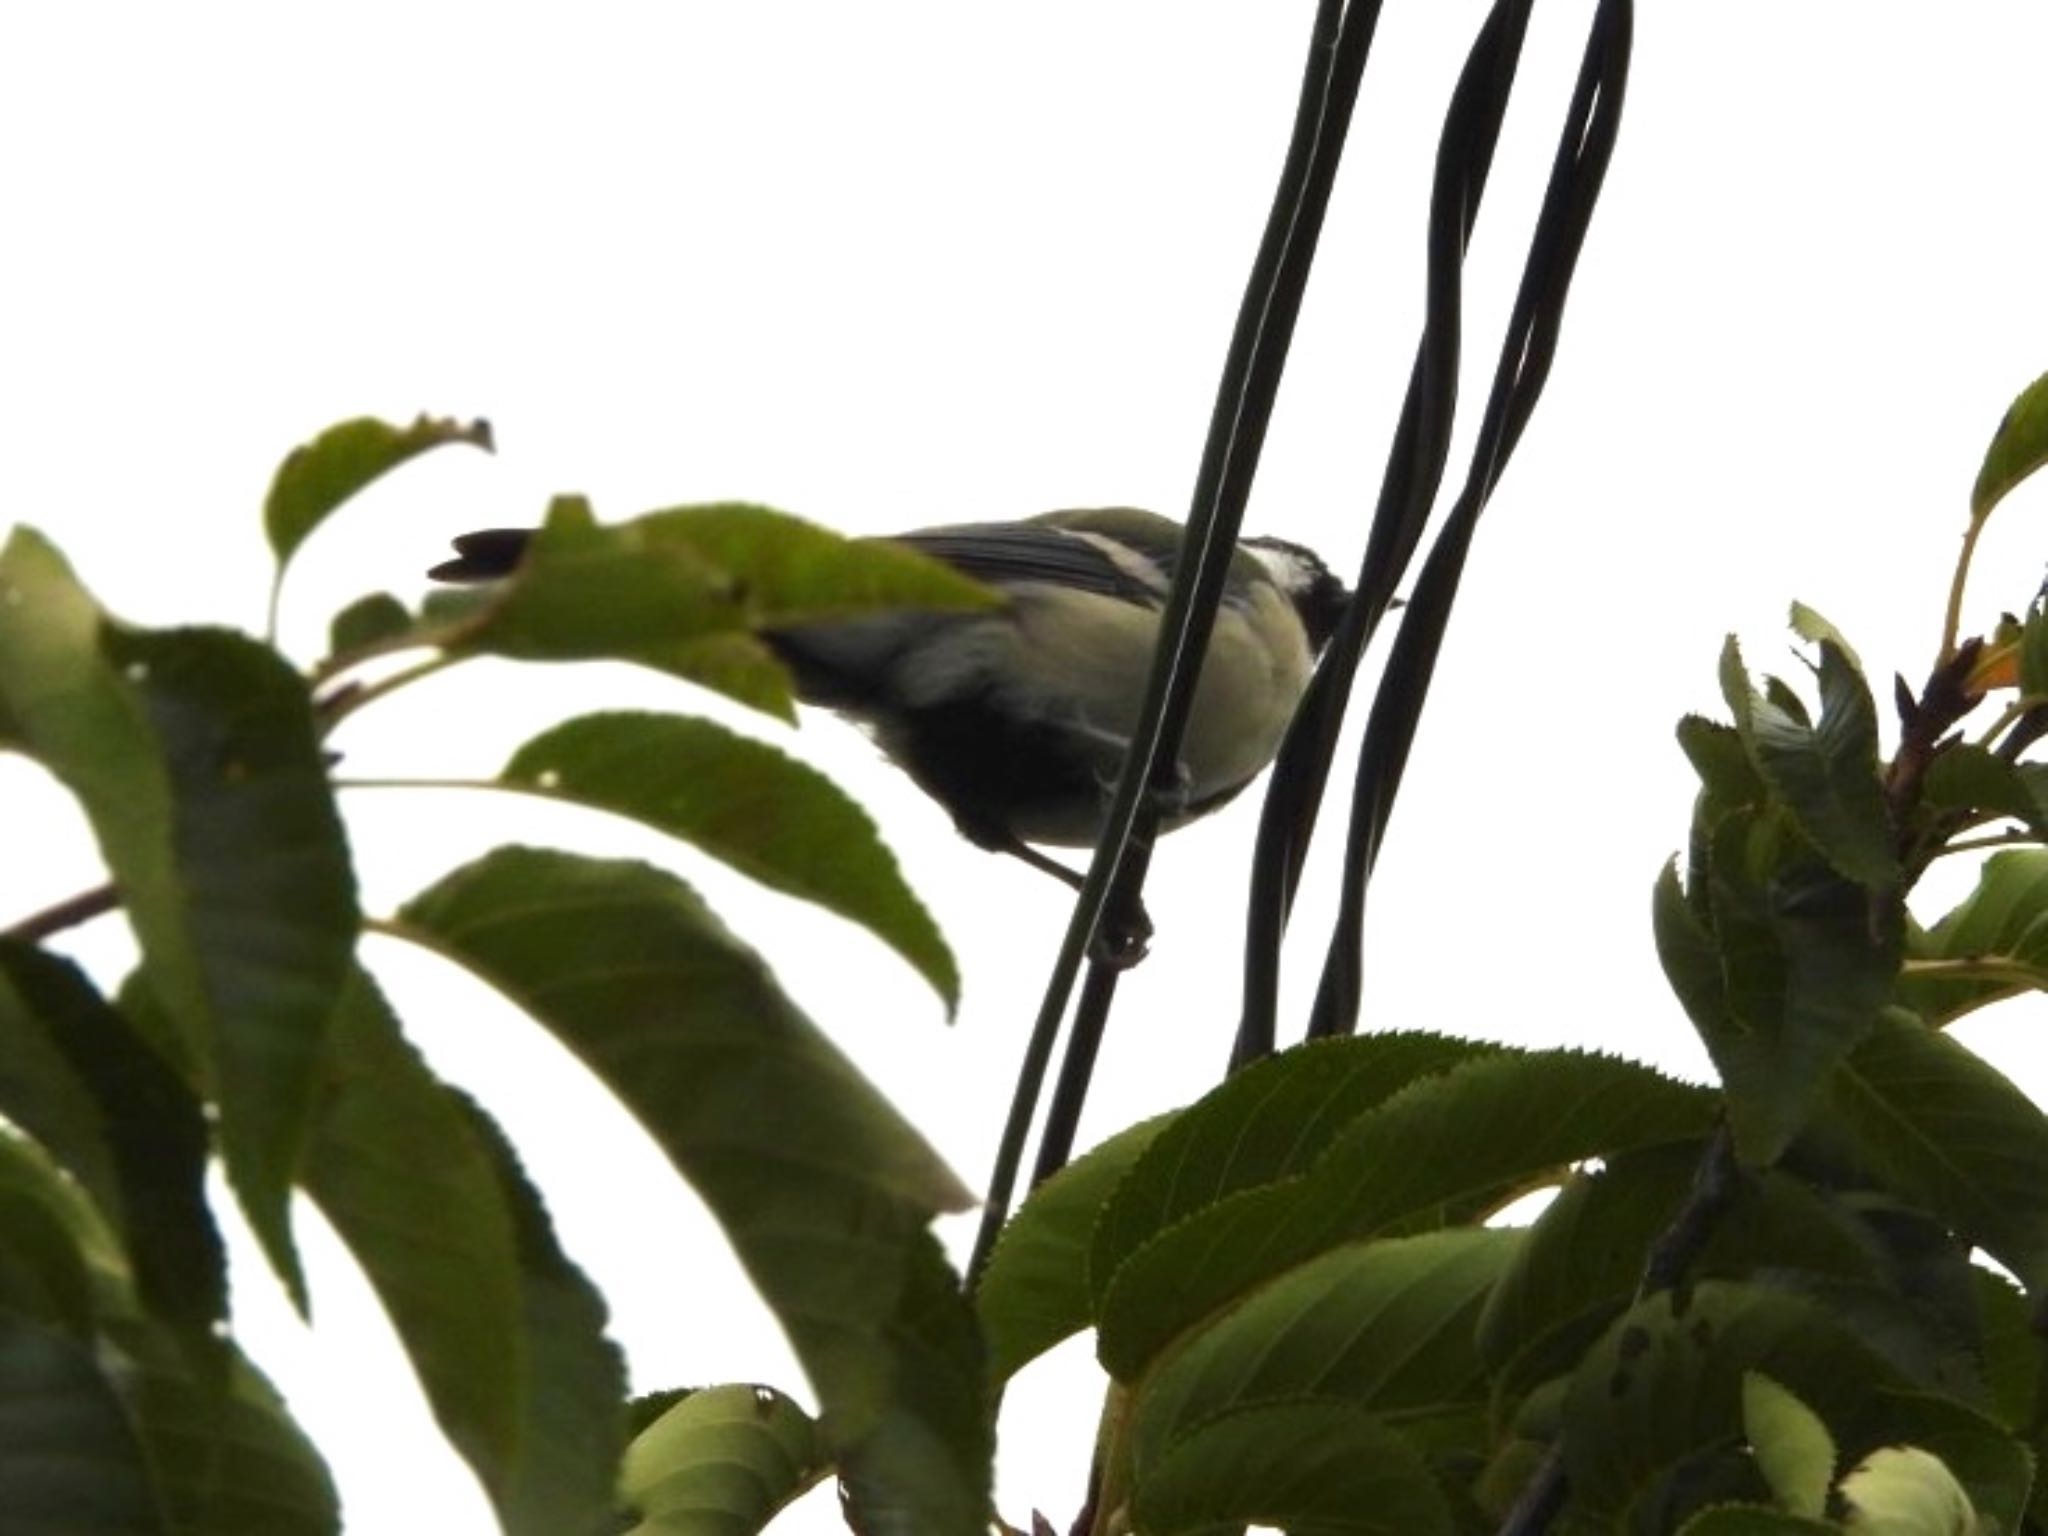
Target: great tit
[{"x": 1017, "y": 719}]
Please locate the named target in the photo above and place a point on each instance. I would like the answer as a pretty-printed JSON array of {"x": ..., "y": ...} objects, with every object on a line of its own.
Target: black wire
[
  {"x": 1236, "y": 431},
  {"x": 1223, "y": 486},
  {"x": 1408, "y": 487},
  {"x": 1585, "y": 147}
]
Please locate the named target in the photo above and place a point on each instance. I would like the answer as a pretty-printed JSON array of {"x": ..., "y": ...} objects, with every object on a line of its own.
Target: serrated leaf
[
  {"x": 2011, "y": 1349},
  {"x": 591, "y": 592},
  {"x": 1905, "y": 1491},
  {"x": 1948, "y": 1133},
  {"x": 154, "y": 1143},
  {"x": 573, "y": 1421},
  {"x": 69, "y": 1459},
  {"x": 1320, "y": 1467},
  {"x": 1995, "y": 1470},
  {"x": 720, "y": 1462},
  {"x": 194, "y": 755},
  {"x": 1811, "y": 626},
  {"x": 1794, "y": 1450},
  {"x": 317, "y": 477},
  {"x": 1663, "y": 1388},
  {"x": 1267, "y": 1123},
  {"x": 1034, "y": 1292},
  {"x": 397, "y": 1169},
  {"x": 925, "y": 1466},
  {"x": 791, "y": 572},
  {"x": 229, "y": 1460},
  {"x": 1804, "y": 959},
  {"x": 2033, "y": 654},
  {"x": 2018, "y": 448},
  {"x": 1754, "y": 1520},
  {"x": 50, "y": 1242},
  {"x": 1439, "y": 1152},
  {"x": 1974, "y": 781},
  {"x": 1992, "y": 945},
  {"x": 771, "y": 817},
  {"x": 368, "y": 622},
  {"x": 1825, "y": 775},
  {"x": 1386, "y": 1325},
  {"x": 1582, "y": 1261},
  {"x": 823, "y": 1189},
  {"x": 44, "y": 1096}
]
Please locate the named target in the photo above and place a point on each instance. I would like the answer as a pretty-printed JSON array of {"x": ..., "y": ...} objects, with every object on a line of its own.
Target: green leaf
[
  {"x": 1442, "y": 1151},
  {"x": 1263, "y": 1125},
  {"x": 1582, "y": 1260},
  {"x": 586, "y": 592},
  {"x": 1034, "y": 1292},
  {"x": 769, "y": 816},
  {"x": 1993, "y": 945},
  {"x": 396, "y": 1166},
  {"x": 1804, "y": 961},
  {"x": 1754, "y": 1520},
  {"x": 2011, "y": 1349},
  {"x": 721, "y": 1462},
  {"x": 1386, "y": 1325},
  {"x": 573, "y": 1421},
  {"x": 1663, "y": 1390},
  {"x": 44, "y": 1096},
  {"x": 257, "y": 930},
  {"x": 2034, "y": 652},
  {"x": 367, "y": 623},
  {"x": 69, "y": 1460},
  {"x": 1947, "y": 1132},
  {"x": 1825, "y": 775},
  {"x": 1905, "y": 1491},
  {"x": 153, "y": 1142},
  {"x": 194, "y": 755},
  {"x": 1994, "y": 1468},
  {"x": 47, "y": 1233},
  {"x": 2018, "y": 448},
  {"x": 824, "y": 1190},
  {"x": 228, "y": 1459},
  {"x": 1320, "y": 1467},
  {"x": 1811, "y": 626},
  {"x": 926, "y": 1465},
  {"x": 1974, "y": 780},
  {"x": 1794, "y": 1450},
  {"x": 791, "y": 572},
  {"x": 317, "y": 477}
]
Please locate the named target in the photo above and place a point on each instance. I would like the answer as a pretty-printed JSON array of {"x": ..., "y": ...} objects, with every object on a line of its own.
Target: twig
[{"x": 68, "y": 913}]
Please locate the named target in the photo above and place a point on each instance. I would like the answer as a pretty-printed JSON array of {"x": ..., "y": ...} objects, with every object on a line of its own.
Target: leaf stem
[
  {"x": 337, "y": 706},
  {"x": 1952, "y": 622}
]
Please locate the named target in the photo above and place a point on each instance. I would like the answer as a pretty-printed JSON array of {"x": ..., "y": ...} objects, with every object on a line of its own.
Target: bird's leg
[{"x": 1121, "y": 940}]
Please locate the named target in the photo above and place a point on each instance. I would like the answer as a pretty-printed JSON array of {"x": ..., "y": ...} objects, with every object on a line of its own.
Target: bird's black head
[{"x": 1318, "y": 596}]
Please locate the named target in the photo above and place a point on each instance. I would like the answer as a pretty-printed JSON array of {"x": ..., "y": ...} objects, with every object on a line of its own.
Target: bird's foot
[{"x": 1122, "y": 939}]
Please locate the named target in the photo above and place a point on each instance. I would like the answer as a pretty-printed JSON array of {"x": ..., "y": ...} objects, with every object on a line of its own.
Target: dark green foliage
[{"x": 1750, "y": 1309}]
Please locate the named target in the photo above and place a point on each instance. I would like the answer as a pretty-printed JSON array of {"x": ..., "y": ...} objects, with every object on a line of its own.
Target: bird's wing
[{"x": 1003, "y": 554}]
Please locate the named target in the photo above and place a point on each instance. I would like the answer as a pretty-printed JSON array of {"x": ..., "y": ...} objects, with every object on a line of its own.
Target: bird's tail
[{"x": 490, "y": 554}]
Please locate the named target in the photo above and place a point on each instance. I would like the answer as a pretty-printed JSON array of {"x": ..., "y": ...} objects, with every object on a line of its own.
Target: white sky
[{"x": 899, "y": 264}]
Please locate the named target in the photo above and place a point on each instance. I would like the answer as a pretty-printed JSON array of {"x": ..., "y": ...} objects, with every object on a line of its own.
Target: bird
[{"x": 1016, "y": 719}]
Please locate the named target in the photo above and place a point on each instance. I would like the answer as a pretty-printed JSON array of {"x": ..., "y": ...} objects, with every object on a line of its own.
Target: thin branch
[{"x": 68, "y": 913}]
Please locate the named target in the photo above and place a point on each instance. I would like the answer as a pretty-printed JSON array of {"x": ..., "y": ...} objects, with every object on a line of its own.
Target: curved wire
[
  {"x": 1339, "y": 41},
  {"x": 1585, "y": 146}
]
